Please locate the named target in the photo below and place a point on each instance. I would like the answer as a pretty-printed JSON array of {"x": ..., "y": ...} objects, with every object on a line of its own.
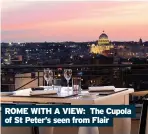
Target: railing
[{"x": 132, "y": 75}]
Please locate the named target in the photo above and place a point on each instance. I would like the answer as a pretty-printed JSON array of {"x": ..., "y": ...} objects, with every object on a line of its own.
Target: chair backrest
[{"x": 144, "y": 118}]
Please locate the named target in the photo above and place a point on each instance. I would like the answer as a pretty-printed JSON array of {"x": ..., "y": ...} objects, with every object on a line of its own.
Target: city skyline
[{"x": 34, "y": 21}]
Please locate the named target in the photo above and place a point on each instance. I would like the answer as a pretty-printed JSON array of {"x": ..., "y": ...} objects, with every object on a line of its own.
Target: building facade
[{"x": 103, "y": 46}]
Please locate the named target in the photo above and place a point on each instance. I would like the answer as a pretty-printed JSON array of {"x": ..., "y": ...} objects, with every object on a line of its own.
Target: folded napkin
[
  {"x": 43, "y": 92},
  {"x": 6, "y": 93},
  {"x": 23, "y": 92},
  {"x": 101, "y": 88},
  {"x": 28, "y": 92}
]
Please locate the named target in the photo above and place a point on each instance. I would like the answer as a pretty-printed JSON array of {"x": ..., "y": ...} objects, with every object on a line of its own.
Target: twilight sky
[{"x": 24, "y": 21}]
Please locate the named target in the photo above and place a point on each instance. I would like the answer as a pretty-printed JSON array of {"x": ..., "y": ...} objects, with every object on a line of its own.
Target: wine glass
[
  {"x": 48, "y": 76},
  {"x": 67, "y": 75}
]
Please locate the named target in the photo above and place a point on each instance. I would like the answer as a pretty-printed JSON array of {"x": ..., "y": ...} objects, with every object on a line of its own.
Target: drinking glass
[
  {"x": 48, "y": 76},
  {"x": 57, "y": 85},
  {"x": 67, "y": 75},
  {"x": 76, "y": 84}
]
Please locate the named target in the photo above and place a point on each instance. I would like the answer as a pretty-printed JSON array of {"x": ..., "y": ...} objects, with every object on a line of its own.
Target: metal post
[{"x": 38, "y": 78}]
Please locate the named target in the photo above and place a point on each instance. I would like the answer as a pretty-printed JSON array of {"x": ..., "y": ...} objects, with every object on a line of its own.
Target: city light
[{"x": 10, "y": 43}]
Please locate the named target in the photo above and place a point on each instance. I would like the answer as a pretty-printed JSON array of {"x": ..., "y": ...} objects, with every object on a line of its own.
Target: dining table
[{"x": 119, "y": 97}]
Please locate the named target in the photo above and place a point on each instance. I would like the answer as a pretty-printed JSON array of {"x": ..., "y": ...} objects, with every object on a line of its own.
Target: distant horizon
[
  {"x": 70, "y": 41},
  {"x": 75, "y": 21}
]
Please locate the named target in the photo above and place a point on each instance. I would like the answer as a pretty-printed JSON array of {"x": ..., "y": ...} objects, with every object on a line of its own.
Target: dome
[
  {"x": 103, "y": 35},
  {"x": 93, "y": 45}
]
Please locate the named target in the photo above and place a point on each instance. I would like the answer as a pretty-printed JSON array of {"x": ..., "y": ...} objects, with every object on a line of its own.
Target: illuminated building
[{"x": 103, "y": 46}]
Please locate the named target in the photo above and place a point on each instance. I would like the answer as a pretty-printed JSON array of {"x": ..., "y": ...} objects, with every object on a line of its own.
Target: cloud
[{"x": 73, "y": 20}]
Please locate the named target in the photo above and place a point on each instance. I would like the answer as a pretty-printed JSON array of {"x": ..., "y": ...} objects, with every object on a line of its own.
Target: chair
[{"x": 144, "y": 118}]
